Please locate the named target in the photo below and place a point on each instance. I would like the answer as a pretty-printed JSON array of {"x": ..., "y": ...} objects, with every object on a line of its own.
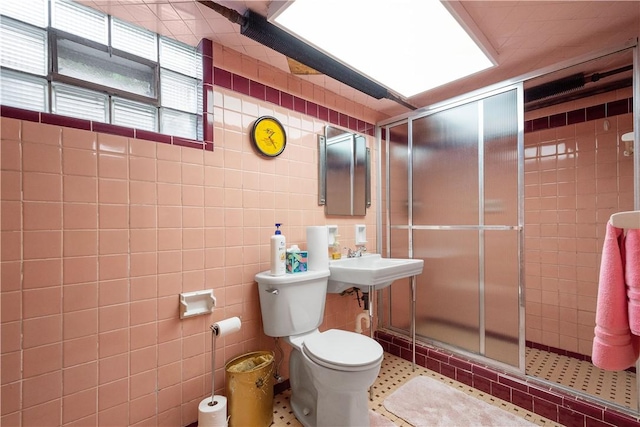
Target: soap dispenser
[{"x": 278, "y": 253}]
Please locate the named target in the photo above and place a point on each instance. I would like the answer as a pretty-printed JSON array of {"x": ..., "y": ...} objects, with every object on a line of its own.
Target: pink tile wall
[
  {"x": 576, "y": 176},
  {"x": 101, "y": 232}
]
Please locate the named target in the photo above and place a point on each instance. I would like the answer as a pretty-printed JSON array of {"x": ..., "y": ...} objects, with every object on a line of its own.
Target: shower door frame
[
  {"x": 387, "y": 125},
  {"x": 632, "y": 44}
]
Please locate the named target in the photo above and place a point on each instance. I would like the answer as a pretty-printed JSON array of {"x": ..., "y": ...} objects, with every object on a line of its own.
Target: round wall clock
[{"x": 269, "y": 136}]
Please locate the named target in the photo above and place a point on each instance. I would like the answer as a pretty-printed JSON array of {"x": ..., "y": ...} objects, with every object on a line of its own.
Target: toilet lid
[{"x": 343, "y": 350}]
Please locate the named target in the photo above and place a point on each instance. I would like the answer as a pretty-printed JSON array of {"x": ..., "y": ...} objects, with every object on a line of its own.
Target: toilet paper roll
[
  {"x": 318, "y": 248},
  {"x": 213, "y": 415},
  {"x": 226, "y": 326}
]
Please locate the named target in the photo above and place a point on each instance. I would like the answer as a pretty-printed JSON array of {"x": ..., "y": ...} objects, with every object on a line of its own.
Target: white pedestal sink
[{"x": 370, "y": 270}]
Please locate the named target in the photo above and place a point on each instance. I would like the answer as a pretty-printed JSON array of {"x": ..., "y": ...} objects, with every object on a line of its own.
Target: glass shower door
[{"x": 460, "y": 213}]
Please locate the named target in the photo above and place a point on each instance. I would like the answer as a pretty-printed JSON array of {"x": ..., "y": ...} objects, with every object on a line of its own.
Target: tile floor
[
  {"x": 617, "y": 387},
  {"x": 395, "y": 372}
]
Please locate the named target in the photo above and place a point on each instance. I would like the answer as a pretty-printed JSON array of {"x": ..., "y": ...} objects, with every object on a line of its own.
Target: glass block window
[
  {"x": 79, "y": 20},
  {"x": 179, "y": 57},
  {"x": 133, "y": 39},
  {"x": 134, "y": 114},
  {"x": 23, "y": 91},
  {"x": 36, "y": 14},
  {"x": 23, "y": 47},
  {"x": 179, "y": 91},
  {"x": 82, "y": 63},
  {"x": 82, "y": 103}
]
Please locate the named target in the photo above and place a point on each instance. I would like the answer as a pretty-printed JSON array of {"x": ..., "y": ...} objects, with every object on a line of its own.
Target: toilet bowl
[
  {"x": 331, "y": 371},
  {"x": 337, "y": 368}
]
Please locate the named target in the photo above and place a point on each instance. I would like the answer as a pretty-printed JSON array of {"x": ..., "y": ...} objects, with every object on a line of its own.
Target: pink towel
[
  {"x": 614, "y": 347},
  {"x": 632, "y": 278}
]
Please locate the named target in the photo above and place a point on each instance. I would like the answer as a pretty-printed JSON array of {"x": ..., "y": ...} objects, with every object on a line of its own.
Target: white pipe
[{"x": 362, "y": 316}]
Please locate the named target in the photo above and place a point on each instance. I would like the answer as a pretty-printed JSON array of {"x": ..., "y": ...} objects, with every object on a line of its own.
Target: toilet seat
[{"x": 343, "y": 350}]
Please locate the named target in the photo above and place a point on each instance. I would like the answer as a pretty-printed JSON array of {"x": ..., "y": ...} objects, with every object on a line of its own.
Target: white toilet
[{"x": 330, "y": 372}]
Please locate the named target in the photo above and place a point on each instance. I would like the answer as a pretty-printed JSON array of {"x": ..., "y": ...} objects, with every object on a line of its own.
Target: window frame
[{"x": 55, "y": 75}]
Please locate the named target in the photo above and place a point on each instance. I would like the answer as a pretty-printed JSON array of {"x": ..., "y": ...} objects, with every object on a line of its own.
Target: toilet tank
[{"x": 292, "y": 304}]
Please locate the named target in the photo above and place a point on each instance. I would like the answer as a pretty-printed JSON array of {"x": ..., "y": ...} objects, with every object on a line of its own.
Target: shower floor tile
[
  {"x": 616, "y": 387},
  {"x": 394, "y": 372}
]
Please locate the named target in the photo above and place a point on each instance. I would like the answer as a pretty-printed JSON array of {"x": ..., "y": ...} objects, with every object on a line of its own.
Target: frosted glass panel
[
  {"x": 500, "y": 160},
  {"x": 398, "y": 174},
  {"x": 85, "y": 63},
  {"x": 445, "y": 167},
  {"x": 400, "y": 291},
  {"x": 462, "y": 160},
  {"x": 447, "y": 290},
  {"x": 501, "y": 280}
]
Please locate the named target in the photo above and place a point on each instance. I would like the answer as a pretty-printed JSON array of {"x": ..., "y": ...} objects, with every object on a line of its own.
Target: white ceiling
[{"x": 527, "y": 35}]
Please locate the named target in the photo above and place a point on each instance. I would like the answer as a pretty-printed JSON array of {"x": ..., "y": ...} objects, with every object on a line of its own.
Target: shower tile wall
[
  {"x": 576, "y": 176},
  {"x": 101, "y": 232}
]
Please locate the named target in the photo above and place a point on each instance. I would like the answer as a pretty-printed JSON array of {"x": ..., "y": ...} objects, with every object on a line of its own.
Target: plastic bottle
[
  {"x": 278, "y": 253},
  {"x": 334, "y": 250}
]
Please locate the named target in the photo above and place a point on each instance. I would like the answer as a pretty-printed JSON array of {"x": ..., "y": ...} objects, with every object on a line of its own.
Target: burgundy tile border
[
  {"x": 153, "y": 136},
  {"x": 72, "y": 122},
  {"x": 609, "y": 109},
  {"x": 19, "y": 113},
  {"x": 183, "y": 142},
  {"x": 69, "y": 122},
  {"x": 546, "y": 401},
  {"x": 231, "y": 81},
  {"x": 113, "y": 129}
]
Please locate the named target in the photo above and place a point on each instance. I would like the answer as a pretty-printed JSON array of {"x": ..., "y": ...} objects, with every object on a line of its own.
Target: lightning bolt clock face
[{"x": 268, "y": 136}]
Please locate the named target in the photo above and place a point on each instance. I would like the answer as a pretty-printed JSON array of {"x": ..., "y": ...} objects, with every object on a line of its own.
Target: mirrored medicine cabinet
[{"x": 344, "y": 172}]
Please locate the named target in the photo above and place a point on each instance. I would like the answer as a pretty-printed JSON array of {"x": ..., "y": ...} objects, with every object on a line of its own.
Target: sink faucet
[{"x": 360, "y": 249}]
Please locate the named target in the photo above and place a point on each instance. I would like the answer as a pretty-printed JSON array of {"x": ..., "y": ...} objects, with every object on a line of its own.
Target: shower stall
[
  {"x": 509, "y": 225},
  {"x": 454, "y": 197}
]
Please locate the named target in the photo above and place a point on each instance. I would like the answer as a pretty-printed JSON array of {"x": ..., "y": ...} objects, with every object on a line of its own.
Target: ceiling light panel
[{"x": 409, "y": 46}]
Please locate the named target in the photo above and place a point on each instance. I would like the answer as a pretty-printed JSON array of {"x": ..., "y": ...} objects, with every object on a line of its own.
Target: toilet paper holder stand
[{"x": 196, "y": 303}]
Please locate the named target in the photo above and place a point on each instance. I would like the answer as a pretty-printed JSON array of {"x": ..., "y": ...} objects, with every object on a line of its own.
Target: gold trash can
[{"x": 249, "y": 387}]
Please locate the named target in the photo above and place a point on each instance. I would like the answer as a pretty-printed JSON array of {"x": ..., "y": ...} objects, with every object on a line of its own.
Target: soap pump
[{"x": 278, "y": 253}]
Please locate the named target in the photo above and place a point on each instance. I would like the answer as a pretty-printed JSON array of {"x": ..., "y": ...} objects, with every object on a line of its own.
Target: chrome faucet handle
[{"x": 351, "y": 253}]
